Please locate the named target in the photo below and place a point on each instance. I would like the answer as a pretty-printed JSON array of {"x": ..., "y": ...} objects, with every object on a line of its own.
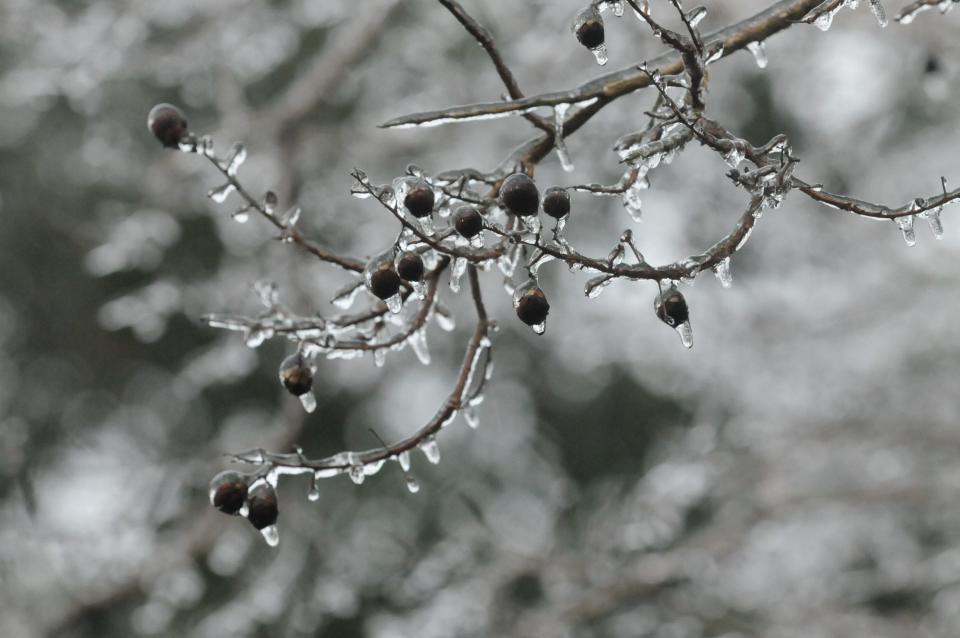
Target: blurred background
[{"x": 794, "y": 474}]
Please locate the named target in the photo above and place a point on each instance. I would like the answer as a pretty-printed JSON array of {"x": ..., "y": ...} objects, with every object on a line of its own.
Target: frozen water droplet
[
  {"x": 596, "y": 285},
  {"x": 255, "y": 337},
  {"x": 431, "y": 450},
  {"x": 471, "y": 417},
  {"x": 357, "y": 474},
  {"x": 722, "y": 271},
  {"x": 403, "y": 458},
  {"x": 825, "y": 19},
  {"x": 905, "y": 223},
  {"x": 933, "y": 220},
  {"x": 694, "y": 16},
  {"x": 735, "y": 155},
  {"x": 713, "y": 53},
  {"x": 444, "y": 319},
  {"x": 456, "y": 273},
  {"x": 477, "y": 241},
  {"x": 308, "y": 401},
  {"x": 539, "y": 328},
  {"x": 600, "y": 54},
  {"x": 426, "y": 225},
  {"x": 759, "y": 51},
  {"x": 412, "y": 484},
  {"x": 345, "y": 298},
  {"x": 220, "y": 193},
  {"x": 531, "y": 223},
  {"x": 632, "y": 202},
  {"x": 270, "y": 202},
  {"x": 314, "y": 493},
  {"x": 291, "y": 217},
  {"x": 685, "y": 330},
  {"x": 395, "y": 303},
  {"x": 418, "y": 341},
  {"x": 379, "y": 357},
  {"x": 271, "y": 535},
  {"x": 238, "y": 155},
  {"x": 878, "y": 12},
  {"x": 241, "y": 216}
]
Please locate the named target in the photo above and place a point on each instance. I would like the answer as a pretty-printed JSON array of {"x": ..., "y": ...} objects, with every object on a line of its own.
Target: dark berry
[
  {"x": 419, "y": 200},
  {"x": 384, "y": 281},
  {"x": 589, "y": 29},
  {"x": 519, "y": 195},
  {"x": 228, "y": 491},
  {"x": 533, "y": 307},
  {"x": 932, "y": 65},
  {"x": 671, "y": 307},
  {"x": 410, "y": 267},
  {"x": 556, "y": 202},
  {"x": 167, "y": 124},
  {"x": 296, "y": 375},
  {"x": 468, "y": 221},
  {"x": 262, "y": 506}
]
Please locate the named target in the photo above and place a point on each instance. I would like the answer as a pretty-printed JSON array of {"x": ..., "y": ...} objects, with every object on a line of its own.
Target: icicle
[
  {"x": 685, "y": 330},
  {"x": 291, "y": 217},
  {"x": 631, "y": 199},
  {"x": 825, "y": 19},
  {"x": 373, "y": 467},
  {"x": 933, "y": 220},
  {"x": 314, "y": 493},
  {"x": 559, "y": 114},
  {"x": 271, "y": 535},
  {"x": 270, "y": 202},
  {"x": 418, "y": 341},
  {"x": 379, "y": 357},
  {"x": 357, "y": 474},
  {"x": 308, "y": 401},
  {"x": 403, "y": 458},
  {"x": 256, "y": 336},
  {"x": 457, "y": 270},
  {"x": 759, "y": 51},
  {"x": 538, "y": 261},
  {"x": 238, "y": 155},
  {"x": 444, "y": 319},
  {"x": 430, "y": 450},
  {"x": 471, "y": 417},
  {"x": 220, "y": 193},
  {"x": 878, "y": 12},
  {"x": 596, "y": 285},
  {"x": 905, "y": 223},
  {"x": 722, "y": 271},
  {"x": 412, "y": 484}
]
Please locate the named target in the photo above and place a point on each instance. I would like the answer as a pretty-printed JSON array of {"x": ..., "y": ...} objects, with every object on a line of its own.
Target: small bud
[
  {"x": 589, "y": 28},
  {"x": 262, "y": 506},
  {"x": 410, "y": 267},
  {"x": 532, "y": 307},
  {"x": 671, "y": 307},
  {"x": 468, "y": 221},
  {"x": 228, "y": 491},
  {"x": 296, "y": 375},
  {"x": 419, "y": 200},
  {"x": 384, "y": 282},
  {"x": 519, "y": 195},
  {"x": 167, "y": 124},
  {"x": 556, "y": 202}
]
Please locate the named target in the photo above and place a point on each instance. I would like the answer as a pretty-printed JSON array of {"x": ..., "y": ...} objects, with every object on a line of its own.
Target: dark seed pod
[
  {"x": 295, "y": 375},
  {"x": 419, "y": 200},
  {"x": 167, "y": 124},
  {"x": 468, "y": 221},
  {"x": 410, "y": 267},
  {"x": 556, "y": 202},
  {"x": 228, "y": 491},
  {"x": 262, "y": 506},
  {"x": 589, "y": 29},
  {"x": 532, "y": 307},
  {"x": 384, "y": 282},
  {"x": 671, "y": 307},
  {"x": 519, "y": 195}
]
